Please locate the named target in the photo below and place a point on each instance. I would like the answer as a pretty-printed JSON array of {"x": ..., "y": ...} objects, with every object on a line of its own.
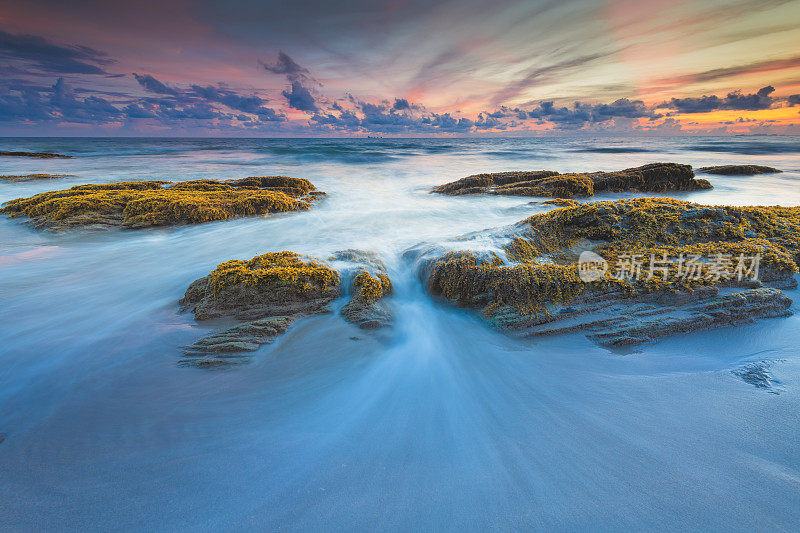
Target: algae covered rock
[
  {"x": 654, "y": 177},
  {"x": 738, "y": 170},
  {"x": 271, "y": 284},
  {"x": 33, "y": 177},
  {"x": 272, "y": 291},
  {"x": 368, "y": 283},
  {"x": 140, "y": 204},
  {"x": 660, "y": 266},
  {"x": 560, "y": 202},
  {"x": 37, "y": 155}
]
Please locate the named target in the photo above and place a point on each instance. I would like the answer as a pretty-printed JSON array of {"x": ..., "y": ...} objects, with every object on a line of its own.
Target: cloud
[
  {"x": 52, "y": 58},
  {"x": 400, "y": 104},
  {"x": 542, "y": 74},
  {"x": 194, "y": 103},
  {"x": 87, "y": 111},
  {"x": 249, "y": 104},
  {"x": 289, "y": 67},
  {"x": 581, "y": 114},
  {"x": 794, "y": 100},
  {"x": 734, "y": 100},
  {"x": 56, "y": 103},
  {"x": 758, "y": 67},
  {"x": 153, "y": 85},
  {"x": 300, "y": 98},
  {"x": 446, "y": 122},
  {"x": 23, "y": 105}
]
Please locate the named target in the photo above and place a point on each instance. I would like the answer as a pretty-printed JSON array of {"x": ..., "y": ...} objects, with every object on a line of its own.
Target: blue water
[{"x": 437, "y": 423}]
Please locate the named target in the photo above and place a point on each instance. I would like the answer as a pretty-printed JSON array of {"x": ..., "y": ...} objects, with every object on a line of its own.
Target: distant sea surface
[{"x": 438, "y": 423}]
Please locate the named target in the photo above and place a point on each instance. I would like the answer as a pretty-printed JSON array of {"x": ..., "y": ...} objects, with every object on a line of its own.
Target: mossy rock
[
  {"x": 738, "y": 170},
  {"x": 369, "y": 284},
  {"x": 34, "y": 177},
  {"x": 140, "y": 204},
  {"x": 272, "y": 291},
  {"x": 271, "y": 284},
  {"x": 654, "y": 177},
  {"x": 37, "y": 155},
  {"x": 535, "y": 279}
]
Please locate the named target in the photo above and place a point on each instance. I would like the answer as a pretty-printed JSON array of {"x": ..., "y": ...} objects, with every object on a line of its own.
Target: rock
[
  {"x": 140, "y": 204},
  {"x": 225, "y": 347},
  {"x": 654, "y": 177},
  {"x": 537, "y": 284},
  {"x": 272, "y": 291},
  {"x": 483, "y": 182},
  {"x": 38, "y": 155},
  {"x": 738, "y": 170},
  {"x": 369, "y": 283},
  {"x": 561, "y": 202},
  {"x": 34, "y": 177},
  {"x": 757, "y": 374},
  {"x": 271, "y": 284},
  {"x": 728, "y": 310}
]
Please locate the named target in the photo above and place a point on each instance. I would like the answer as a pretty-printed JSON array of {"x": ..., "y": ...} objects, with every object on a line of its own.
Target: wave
[
  {"x": 614, "y": 150},
  {"x": 749, "y": 148},
  {"x": 516, "y": 154}
]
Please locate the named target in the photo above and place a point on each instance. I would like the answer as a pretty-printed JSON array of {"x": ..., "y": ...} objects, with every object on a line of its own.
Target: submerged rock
[
  {"x": 272, "y": 291},
  {"x": 140, "y": 204},
  {"x": 227, "y": 346},
  {"x": 758, "y": 375},
  {"x": 622, "y": 320},
  {"x": 654, "y": 177},
  {"x": 738, "y": 170},
  {"x": 38, "y": 155},
  {"x": 540, "y": 282},
  {"x": 34, "y": 177}
]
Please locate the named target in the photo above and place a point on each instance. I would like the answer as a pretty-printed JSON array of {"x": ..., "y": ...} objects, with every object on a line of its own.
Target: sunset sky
[{"x": 399, "y": 67}]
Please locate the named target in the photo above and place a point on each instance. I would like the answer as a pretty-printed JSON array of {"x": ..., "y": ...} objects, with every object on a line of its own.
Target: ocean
[{"x": 439, "y": 423}]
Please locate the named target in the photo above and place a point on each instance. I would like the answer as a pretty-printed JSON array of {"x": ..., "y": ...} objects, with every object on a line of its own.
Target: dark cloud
[
  {"x": 488, "y": 122},
  {"x": 195, "y": 102},
  {"x": 287, "y": 66},
  {"x": 137, "y": 111},
  {"x": 153, "y": 85},
  {"x": 735, "y": 100},
  {"x": 300, "y": 98},
  {"x": 383, "y": 117},
  {"x": 24, "y": 104},
  {"x": 794, "y": 100},
  {"x": 56, "y": 103},
  {"x": 49, "y": 57},
  {"x": 446, "y": 122},
  {"x": 249, "y": 104},
  {"x": 581, "y": 114},
  {"x": 400, "y": 104},
  {"x": 91, "y": 110},
  {"x": 623, "y": 108}
]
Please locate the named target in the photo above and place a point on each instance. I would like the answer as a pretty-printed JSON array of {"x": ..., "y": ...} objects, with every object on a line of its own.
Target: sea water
[{"x": 437, "y": 423}]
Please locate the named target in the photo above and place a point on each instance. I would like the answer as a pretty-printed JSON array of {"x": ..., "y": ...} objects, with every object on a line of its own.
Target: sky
[{"x": 399, "y": 67}]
